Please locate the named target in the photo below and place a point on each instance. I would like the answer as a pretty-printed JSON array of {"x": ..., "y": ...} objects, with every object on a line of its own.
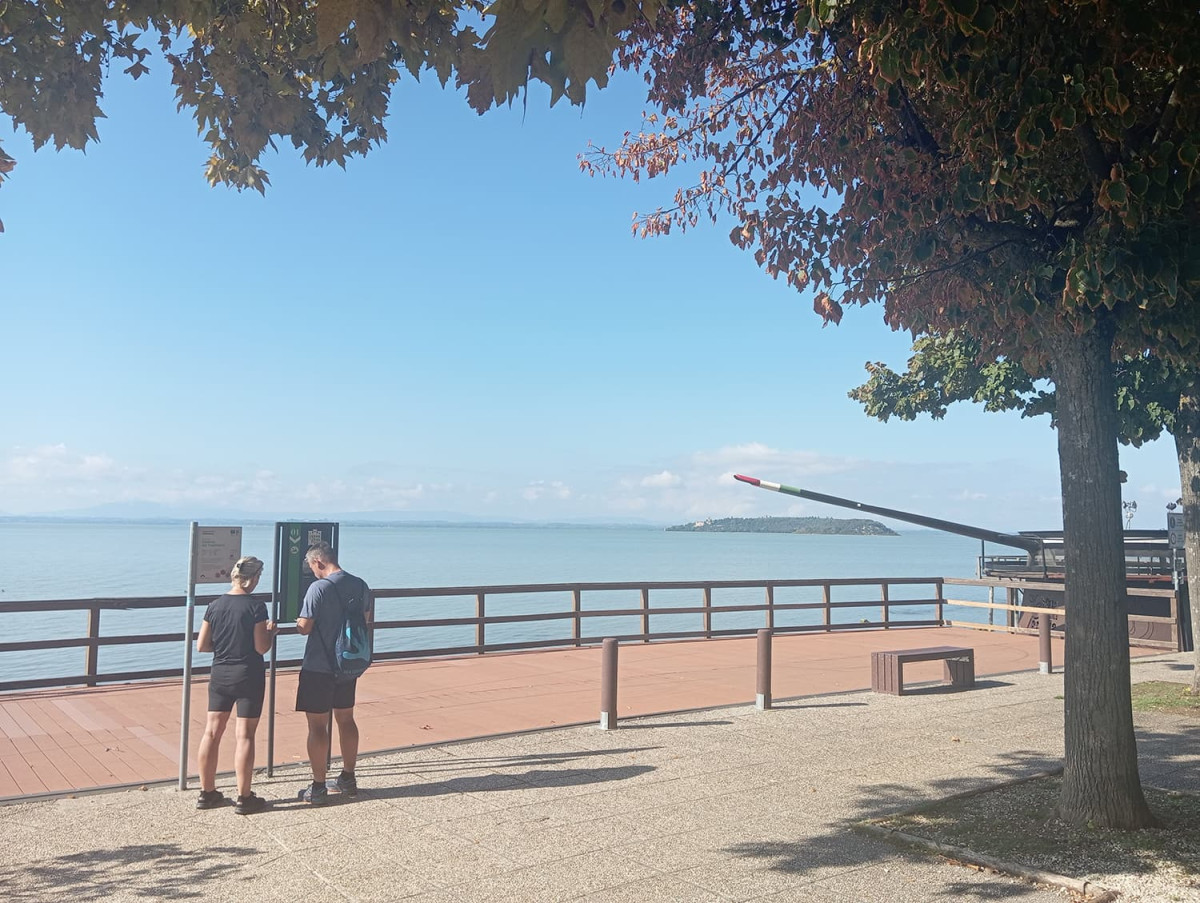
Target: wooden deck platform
[{"x": 60, "y": 740}]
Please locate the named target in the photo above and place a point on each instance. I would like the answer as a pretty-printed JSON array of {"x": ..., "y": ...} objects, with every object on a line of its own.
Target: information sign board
[
  {"x": 217, "y": 551},
  {"x": 293, "y": 576},
  {"x": 1175, "y": 529}
]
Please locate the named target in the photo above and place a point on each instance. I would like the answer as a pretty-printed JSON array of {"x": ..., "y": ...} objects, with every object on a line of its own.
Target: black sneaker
[
  {"x": 248, "y": 805},
  {"x": 346, "y": 784},
  {"x": 210, "y": 799},
  {"x": 314, "y": 795}
]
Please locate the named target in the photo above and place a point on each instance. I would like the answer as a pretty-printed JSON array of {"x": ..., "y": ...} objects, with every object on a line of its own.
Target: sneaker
[
  {"x": 210, "y": 799},
  {"x": 314, "y": 795},
  {"x": 346, "y": 784},
  {"x": 248, "y": 805}
]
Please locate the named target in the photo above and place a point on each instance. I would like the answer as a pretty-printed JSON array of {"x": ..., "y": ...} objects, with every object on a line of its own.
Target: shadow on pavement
[{"x": 160, "y": 871}]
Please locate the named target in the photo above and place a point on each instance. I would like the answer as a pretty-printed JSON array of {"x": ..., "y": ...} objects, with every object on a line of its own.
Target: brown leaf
[{"x": 828, "y": 309}]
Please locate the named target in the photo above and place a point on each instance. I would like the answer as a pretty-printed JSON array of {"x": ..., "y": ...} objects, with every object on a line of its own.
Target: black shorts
[
  {"x": 319, "y": 692},
  {"x": 229, "y": 685}
]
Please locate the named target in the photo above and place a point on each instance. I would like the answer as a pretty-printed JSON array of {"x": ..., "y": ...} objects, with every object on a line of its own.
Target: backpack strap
[{"x": 317, "y": 627}]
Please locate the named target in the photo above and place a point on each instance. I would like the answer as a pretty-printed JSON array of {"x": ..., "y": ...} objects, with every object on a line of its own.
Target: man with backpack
[{"x": 335, "y": 616}]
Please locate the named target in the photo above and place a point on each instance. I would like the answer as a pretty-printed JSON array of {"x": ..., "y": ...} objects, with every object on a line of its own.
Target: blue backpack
[{"x": 352, "y": 648}]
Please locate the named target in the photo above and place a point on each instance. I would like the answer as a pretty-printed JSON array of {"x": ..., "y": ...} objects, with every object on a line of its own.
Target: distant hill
[{"x": 836, "y": 526}]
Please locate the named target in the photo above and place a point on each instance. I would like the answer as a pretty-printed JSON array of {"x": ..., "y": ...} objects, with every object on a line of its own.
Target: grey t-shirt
[{"x": 325, "y": 603}]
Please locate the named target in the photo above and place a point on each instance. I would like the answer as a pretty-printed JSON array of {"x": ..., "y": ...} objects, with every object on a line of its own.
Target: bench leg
[
  {"x": 886, "y": 674},
  {"x": 960, "y": 672}
]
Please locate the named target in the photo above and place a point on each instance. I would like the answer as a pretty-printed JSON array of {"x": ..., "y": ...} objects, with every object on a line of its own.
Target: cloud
[
  {"x": 661, "y": 480},
  {"x": 57, "y": 463},
  {"x": 542, "y": 489}
]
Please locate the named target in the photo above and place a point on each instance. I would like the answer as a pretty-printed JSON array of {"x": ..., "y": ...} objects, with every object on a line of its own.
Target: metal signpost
[
  {"x": 212, "y": 553},
  {"x": 293, "y": 577},
  {"x": 1175, "y": 541}
]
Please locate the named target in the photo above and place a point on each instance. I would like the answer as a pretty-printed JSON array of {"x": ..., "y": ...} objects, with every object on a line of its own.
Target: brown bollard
[
  {"x": 1045, "y": 663},
  {"x": 762, "y": 698},
  {"x": 608, "y": 685}
]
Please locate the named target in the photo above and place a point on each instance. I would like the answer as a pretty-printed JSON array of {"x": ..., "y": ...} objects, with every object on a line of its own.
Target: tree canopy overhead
[{"x": 317, "y": 75}]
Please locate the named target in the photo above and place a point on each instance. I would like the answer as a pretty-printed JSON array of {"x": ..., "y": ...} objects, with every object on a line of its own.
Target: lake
[{"x": 76, "y": 560}]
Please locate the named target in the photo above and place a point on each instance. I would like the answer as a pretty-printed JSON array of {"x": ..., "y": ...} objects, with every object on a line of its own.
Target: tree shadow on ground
[
  {"x": 161, "y": 871},
  {"x": 840, "y": 847}
]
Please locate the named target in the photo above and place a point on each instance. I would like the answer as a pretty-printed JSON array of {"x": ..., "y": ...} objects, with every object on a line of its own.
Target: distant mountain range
[
  {"x": 152, "y": 512},
  {"x": 835, "y": 526}
]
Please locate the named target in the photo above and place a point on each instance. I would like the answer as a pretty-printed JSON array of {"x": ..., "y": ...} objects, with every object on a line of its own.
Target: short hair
[{"x": 321, "y": 551}]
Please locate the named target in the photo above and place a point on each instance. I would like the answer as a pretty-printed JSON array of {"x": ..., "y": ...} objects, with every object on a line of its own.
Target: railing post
[
  {"x": 608, "y": 684},
  {"x": 992, "y": 602},
  {"x": 825, "y": 598},
  {"x": 92, "y": 656},
  {"x": 1045, "y": 663},
  {"x": 645, "y": 614},
  {"x": 883, "y": 594},
  {"x": 480, "y": 626},
  {"x": 762, "y": 694},
  {"x": 940, "y": 602},
  {"x": 1010, "y": 597},
  {"x": 770, "y": 607},
  {"x": 577, "y": 621},
  {"x": 708, "y": 612}
]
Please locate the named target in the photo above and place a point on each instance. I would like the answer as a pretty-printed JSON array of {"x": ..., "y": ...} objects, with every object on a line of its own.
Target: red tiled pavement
[{"x": 78, "y": 738}]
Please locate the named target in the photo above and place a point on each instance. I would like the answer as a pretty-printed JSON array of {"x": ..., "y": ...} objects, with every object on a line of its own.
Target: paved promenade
[{"x": 717, "y": 805}]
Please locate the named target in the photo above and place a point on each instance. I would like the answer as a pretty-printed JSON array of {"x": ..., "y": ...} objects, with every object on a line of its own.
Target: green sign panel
[{"x": 292, "y": 574}]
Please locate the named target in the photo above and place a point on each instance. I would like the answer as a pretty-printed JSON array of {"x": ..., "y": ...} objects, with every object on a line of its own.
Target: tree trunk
[
  {"x": 1187, "y": 446},
  {"x": 1100, "y": 778}
]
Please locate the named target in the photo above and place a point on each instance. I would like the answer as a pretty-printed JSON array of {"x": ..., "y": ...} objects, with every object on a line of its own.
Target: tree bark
[
  {"x": 1100, "y": 778},
  {"x": 1187, "y": 446}
]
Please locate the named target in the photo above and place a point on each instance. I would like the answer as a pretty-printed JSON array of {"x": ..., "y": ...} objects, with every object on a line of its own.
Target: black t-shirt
[{"x": 231, "y": 621}]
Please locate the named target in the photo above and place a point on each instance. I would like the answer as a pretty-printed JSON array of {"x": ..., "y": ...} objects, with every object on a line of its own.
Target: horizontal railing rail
[
  {"x": 1159, "y": 631},
  {"x": 573, "y": 613}
]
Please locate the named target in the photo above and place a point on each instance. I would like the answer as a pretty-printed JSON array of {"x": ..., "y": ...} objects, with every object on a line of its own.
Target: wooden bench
[{"x": 887, "y": 668}]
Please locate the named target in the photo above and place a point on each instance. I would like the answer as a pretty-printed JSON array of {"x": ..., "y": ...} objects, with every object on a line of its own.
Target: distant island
[{"x": 828, "y": 526}]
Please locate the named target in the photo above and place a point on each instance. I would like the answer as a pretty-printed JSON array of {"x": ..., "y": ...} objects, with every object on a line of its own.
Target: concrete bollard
[
  {"x": 608, "y": 685},
  {"x": 762, "y": 698},
  {"x": 1045, "y": 663}
]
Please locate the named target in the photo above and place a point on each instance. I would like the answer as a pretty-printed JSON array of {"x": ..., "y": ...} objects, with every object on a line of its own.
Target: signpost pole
[
  {"x": 189, "y": 623},
  {"x": 274, "y": 648}
]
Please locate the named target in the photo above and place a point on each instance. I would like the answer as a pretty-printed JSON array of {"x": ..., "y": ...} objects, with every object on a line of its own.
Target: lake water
[{"x": 77, "y": 560}]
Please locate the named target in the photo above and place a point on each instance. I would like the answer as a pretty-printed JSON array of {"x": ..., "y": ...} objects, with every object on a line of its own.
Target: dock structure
[{"x": 57, "y": 740}]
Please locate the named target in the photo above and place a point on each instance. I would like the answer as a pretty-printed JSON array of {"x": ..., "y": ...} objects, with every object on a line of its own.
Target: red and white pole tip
[{"x": 754, "y": 481}]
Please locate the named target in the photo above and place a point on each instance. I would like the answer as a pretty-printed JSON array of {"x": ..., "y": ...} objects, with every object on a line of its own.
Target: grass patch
[
  {"x": 1017, "y": 824},
  {"x": 1168, "y": 698}
]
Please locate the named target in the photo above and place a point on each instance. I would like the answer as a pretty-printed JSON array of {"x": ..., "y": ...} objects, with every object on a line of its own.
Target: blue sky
[{"x": 461, "y": 323}]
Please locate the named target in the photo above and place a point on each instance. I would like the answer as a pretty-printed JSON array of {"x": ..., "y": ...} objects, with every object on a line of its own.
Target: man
[{"x": 321, "y": 690}]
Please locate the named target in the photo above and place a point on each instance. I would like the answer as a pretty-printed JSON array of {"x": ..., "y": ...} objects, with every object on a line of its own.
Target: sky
[{"x": 460, "y": 325}]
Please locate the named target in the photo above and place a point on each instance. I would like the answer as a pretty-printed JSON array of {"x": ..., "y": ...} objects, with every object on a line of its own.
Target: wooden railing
[
  {"x": 576, "y": 614},
  {"x": 1155, "y": 631}
]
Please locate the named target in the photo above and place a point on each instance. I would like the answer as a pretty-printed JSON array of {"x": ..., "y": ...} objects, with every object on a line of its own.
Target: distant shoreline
[{"x": 807, "y": 526}]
